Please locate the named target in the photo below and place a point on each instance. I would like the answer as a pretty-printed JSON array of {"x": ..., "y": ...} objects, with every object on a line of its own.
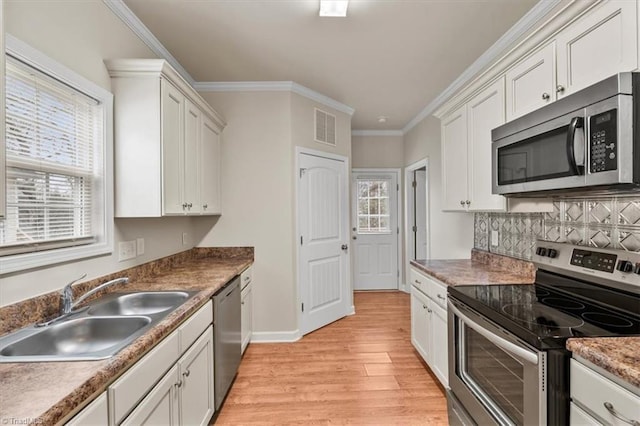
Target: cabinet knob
[
  {"x": 424, "y": 307},
  {"x": 429, "y": 310},
  {"x": 205, "y": 206},
  {"x": 186, "y": 373},
  {"x": 179, "y": 384},
  {"x": 546, "y": 96},
  {"x": 184, "y": 206},
  {"x": 462, "y": 202},
  {"x": 467, "y": 202},
  {"x": 190, "y": 205},
  {"x": 559, "y": 88}
]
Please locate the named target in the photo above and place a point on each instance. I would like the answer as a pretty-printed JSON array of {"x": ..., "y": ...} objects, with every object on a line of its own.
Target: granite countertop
[
  {"x": 483, "y": 268},
  {"x": 619, "y": 356},
  {"x": 51, "y": 392}
]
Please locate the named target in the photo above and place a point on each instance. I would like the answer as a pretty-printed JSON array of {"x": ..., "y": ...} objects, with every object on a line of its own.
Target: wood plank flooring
[{"x": 361, "y": 369}]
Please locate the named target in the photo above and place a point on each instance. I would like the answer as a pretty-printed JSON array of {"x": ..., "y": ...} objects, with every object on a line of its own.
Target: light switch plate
[
  {"x": 140, "y": 246},
  {"x": 494, "y": 238},
  {"x": 126, "y": 250}
]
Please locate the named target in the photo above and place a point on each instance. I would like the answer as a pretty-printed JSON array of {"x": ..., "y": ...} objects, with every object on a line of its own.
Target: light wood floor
[{"x": 359, "y": 370}]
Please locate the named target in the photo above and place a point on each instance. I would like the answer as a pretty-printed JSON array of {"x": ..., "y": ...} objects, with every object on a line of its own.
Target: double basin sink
[{"x": 95, "y": 332}]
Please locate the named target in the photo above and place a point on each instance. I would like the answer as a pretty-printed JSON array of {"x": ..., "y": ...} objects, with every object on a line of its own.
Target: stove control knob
[
  {"x": 552, "y": 253},
  {"x": 625, "y": 266},
  {"x": 541, "y": 251}
]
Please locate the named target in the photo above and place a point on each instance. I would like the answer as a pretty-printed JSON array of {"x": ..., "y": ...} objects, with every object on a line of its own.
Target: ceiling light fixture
[{"x": 334, "y": 8}]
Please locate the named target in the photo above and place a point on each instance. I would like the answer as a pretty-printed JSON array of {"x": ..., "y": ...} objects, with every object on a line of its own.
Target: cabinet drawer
[
  {"x": 246, "y": 277},
  {"x": 590, "y": 391},
  {"x": 192, "y": 328},
  {"x": 438, "y": 293},
  {"x": 577, "y": 417},
  {"x": 94, "y": 414},
  {"x": 128, "y": 390},
  {"x": 419, "y": 281}
]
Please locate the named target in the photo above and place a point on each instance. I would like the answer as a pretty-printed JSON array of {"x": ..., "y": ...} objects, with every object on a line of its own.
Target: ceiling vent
[{"x": 325, "y": 127}]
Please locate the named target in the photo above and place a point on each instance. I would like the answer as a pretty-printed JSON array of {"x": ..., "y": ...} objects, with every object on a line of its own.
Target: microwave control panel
[{"x": 603, "y": 135}]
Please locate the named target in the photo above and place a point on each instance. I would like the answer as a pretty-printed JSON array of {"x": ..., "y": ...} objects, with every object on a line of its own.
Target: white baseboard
[
  {"x": 352, "y": 311},
  {"x": 275, "y": 337}
]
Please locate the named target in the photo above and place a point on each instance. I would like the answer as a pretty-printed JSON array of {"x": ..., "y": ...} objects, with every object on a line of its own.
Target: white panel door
[
  {"x": 375, "y": 230},
  {"x": 323, "y": 227}
]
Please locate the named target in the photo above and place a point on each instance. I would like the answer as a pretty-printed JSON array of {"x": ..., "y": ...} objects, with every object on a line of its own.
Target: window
[
  {"x": 57, "y": 141},
  {"x": 373, "y": 207}
]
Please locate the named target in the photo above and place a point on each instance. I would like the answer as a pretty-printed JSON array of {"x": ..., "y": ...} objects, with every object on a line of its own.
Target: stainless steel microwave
[{"x": 588, "y": 142}]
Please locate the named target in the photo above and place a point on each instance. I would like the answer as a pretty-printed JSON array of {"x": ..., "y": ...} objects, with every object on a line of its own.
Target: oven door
[{"x": 497, "y": 378}]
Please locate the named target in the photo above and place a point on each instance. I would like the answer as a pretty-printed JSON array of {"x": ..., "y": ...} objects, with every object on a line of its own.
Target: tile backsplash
[{"x": 602, "y": 223}]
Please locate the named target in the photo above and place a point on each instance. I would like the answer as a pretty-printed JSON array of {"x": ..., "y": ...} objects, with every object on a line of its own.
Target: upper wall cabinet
[
  {"x": 167, "y": 143},
  {"x": 600, "y": 43},
  {"x": 3, "y": 186},
  {"x": 466, "y": 152}
]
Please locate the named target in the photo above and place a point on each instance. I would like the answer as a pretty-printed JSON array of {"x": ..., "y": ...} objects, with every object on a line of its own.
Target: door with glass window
[{"x": 375, "y": 229}]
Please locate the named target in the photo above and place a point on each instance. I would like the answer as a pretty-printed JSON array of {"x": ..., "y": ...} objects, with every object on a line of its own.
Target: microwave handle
[{"x": 576, "y": 123}]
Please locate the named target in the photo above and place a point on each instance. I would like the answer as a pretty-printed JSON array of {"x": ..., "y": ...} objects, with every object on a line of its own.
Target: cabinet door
[
  {"x": 196, "y": 392},
  {"x": 94, "y": 414},
  {"x": 192, "y": 128},
  {"x": 172, "y": 106},
  {"x": 485, "y": 112},
  {"x": 2, "y": 129},
  {"x": 160, "y": 406},
  {"x": 210, "y": 168},
  {"x": 454, "y": 160},
  {"x": 247, "y": 316},
  {"x": 420, "y": 327},
  {"x": 598, "y": 45},
  {"x": 531, "y": 83},
  {"x": 439, "y": 349}
]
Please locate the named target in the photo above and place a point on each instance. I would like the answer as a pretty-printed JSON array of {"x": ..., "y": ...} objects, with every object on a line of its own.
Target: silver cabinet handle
[
  {"x": 344, "y": 247},
  {"x": 429, "y": 310},
  {"x": 354, "y": 238},
  {"x": 440, "y": 297},
  {"x": 424, "y": 306},
  {"x": 205, "y": 206},
  {"x": 418, "y": 282},
  {"x": 179, "y": 384},
  {"x": 559, "y": 88},
  {"x": 186, "y": 373},
  {"x": 190, "y": 205},
  {"x": 467, "y": 202},
  {"x": 184, "y": 206},
  {"x": 462, "y": 202},
  {"x": 614, "y": 413},
  {"x": 546, "y": 96}
]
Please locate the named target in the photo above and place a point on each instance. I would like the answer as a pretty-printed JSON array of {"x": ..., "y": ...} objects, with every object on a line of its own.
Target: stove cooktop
[{"x": 554, "y": 308}]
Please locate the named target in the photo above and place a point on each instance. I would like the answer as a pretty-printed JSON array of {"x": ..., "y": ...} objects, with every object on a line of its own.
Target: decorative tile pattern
[{"x": 602, "y": 223}]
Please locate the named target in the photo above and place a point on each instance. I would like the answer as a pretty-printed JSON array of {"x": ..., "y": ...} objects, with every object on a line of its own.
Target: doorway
[
  {"x": 416, "y": 213},
  {"x": 375, "y": 229},
  {"x": 323, "y": 237}
]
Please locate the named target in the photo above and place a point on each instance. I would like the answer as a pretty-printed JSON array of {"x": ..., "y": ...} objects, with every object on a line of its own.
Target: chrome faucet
[{"x": 66, "y": 295}]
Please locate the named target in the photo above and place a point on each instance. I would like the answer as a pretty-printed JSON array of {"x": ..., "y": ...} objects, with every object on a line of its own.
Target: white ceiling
[{"x": 386, "y": 58}]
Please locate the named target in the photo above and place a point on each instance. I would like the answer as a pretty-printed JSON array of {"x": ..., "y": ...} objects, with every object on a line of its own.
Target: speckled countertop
[
  {"x": 482, "y": 268},
  {"x": 50, "y": 392},
  {"x": 619, "y": 356}
]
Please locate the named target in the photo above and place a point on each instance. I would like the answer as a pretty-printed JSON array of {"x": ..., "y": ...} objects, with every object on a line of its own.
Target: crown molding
[
  {"x": 377, "y": 133},
  {"x": 531, "y": 18},
  {"x": 272, "y": 86},
  {"x": 122, "y": 11}
]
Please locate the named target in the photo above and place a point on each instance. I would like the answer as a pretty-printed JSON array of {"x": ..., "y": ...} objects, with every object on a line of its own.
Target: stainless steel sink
[
  {"x": 100, "y": 331},
  {"x": 88, "y": 337},
  {"x": 143, "y": 303}
]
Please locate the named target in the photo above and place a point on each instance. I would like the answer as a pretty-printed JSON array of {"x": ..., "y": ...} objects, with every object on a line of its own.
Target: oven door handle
[{"x": 530, "y": 357}]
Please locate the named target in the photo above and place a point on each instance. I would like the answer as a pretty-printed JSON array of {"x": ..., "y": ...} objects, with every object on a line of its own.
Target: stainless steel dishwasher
[{"x": 227, "y": 337}]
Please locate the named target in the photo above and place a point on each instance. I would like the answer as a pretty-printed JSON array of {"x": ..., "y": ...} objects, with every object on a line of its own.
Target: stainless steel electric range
[{"x": 508, "y": 364}]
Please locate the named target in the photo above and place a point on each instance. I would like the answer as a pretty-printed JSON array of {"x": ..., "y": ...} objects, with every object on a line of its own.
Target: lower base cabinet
[
  {"x": 247, "y": 307},
  {"x": 94, "y": 414},
  {"x": 429, "y": 324},
  {"x": 184, "y": 396}
]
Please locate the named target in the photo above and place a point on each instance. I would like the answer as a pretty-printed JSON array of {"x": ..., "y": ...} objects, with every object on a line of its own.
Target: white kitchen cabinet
[
  {"x": 167, "y": 143},
  {"x": 466, "y": 152},
  {"x": 598, "y": 44},
  {"x": 610, "y": 404},
  {"x": 531, "y": 82},
  {"x": 247, "y": 307},
  {"x": 601, "y": 43},
  {"x": 147, "y": 394},
  {"x": 454, "y": 159},
  {"x": 429, "y": 323},
  {"x": 420, "y": 323},
  {"x": 94, "y": 414}
]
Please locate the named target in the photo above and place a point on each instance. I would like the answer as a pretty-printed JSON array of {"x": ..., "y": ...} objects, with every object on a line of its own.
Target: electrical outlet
[
  {"x": 140, "y": 246},
  {"x": 494, "y": 238},
  {"x": 185, "y": 238},
  {"x": 126, "y": 250}
]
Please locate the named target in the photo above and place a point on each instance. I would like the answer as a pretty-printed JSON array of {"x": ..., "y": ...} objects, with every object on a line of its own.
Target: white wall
[
  {"x": 80, "y": 34},
  {"x": 450, "y": 234},
  {"x": 377, "y": 152}
]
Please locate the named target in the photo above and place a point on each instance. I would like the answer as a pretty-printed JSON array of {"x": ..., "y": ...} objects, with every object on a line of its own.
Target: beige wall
[
  {"x": 80, "y": 34},
  {"x": 377, "y": 151},
  {"x": 450, "y": 234},
  {"x": 257, "y": 198}
]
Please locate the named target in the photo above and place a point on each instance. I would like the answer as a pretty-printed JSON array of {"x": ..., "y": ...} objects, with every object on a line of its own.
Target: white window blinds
[{"x": 54, "y": 141}]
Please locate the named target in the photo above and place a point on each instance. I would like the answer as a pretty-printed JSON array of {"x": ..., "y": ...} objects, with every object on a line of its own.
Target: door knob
[{"x": 344, "y": 247}]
